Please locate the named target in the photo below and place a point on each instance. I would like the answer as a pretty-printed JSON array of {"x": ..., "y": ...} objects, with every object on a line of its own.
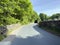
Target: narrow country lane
[{"x": 31, "y": 34}]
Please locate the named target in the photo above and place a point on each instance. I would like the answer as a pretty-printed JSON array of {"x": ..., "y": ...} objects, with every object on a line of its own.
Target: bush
[
  {"x": 11, "y": 20},
  {"x": 2, "y": 37},
  {"x": 7, "y": 20},
  {"x": 52, "y": 25}
]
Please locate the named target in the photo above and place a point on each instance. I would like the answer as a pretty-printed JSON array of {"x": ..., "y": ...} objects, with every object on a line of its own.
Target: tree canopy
[
  {"x": 43, "y": 17},
  {"x": 55, "y": 16},
  {"x": 13, "y": 11}
]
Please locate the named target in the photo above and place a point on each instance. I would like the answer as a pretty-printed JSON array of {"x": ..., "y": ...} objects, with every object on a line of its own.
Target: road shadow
[
  {"x": 40, "y": 39},
  {"x": 9, "y": 38},
  {"x": 14, "y": 40},
  {"x": 38, "y": 29},
  {"x": 26, "y": 41},
  {"x": 35, "y": 40}
]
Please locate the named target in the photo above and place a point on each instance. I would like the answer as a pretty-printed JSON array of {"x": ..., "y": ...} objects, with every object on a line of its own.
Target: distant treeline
[{"x": 44, "y": 17}]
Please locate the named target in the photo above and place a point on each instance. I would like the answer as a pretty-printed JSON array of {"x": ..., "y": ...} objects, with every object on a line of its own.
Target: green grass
[{"x": 2, "y": 37}]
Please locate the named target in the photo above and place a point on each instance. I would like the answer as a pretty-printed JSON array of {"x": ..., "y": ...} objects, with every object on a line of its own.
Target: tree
[
  {"x": 19, "y": 10},
  {"x": 55, "y": 16},
  {"x": 43, "y": 17}
]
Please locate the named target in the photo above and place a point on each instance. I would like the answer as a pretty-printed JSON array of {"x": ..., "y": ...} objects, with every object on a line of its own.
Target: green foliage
[
  {"x": 51, "y": 25},
  {"x": 43, "y": 17},
  {"x": 1, "y": 37},
  {"x": 13, "y": 11},
  {"x": 55, "y": 16},
  {"x": 11, "y": 20},
  {"x": 8, "y": 20}
]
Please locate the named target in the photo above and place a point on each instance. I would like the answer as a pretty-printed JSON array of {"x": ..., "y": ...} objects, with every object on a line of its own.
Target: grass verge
[
  {"x": 51, "y": 30},
  {"x": 2, "y": 37}
]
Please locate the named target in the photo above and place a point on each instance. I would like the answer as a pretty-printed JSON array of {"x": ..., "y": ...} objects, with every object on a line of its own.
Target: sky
[{"x": 48, "y": 7}]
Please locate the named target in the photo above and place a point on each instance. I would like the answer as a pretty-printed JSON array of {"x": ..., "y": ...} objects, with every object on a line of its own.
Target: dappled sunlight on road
[
  {"x": 28, "y": 33},
  {"x": 31, "y": 34}
]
